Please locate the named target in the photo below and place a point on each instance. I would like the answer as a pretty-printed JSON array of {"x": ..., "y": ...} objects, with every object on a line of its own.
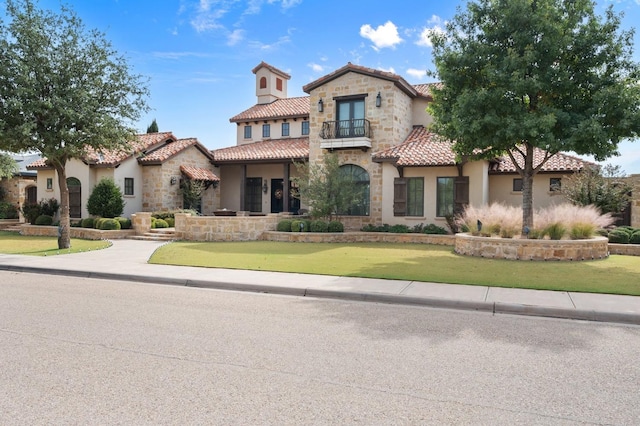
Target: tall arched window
[
  {"x": 360, "y": 179},
  {"x": 263, "y": 82}
]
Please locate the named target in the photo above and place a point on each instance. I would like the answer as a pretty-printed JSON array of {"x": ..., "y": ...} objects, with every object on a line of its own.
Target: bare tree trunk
[
  {"x": 527, "y": 190},
  {"x": 64, "y": 234}
]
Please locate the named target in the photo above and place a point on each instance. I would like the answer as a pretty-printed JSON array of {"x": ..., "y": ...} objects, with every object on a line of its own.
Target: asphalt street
[{"x": 85, "y": 351}]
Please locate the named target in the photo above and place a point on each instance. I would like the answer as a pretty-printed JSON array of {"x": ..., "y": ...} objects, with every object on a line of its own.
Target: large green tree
[
  {"x": 64, "y": 90},
  {"x": 521, "y": 75},
  {"x": 8, "y": 166}
]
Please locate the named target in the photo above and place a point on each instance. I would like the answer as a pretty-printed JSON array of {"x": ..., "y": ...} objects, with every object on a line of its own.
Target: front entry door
[
  {"x": 75, "y": 197},
  {"x": 277, "y": 198},
  {"x": 277, "y": 195}
]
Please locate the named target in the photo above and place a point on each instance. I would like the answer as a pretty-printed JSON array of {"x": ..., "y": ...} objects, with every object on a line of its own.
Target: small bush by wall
[
  {"x": 125, "y": 223},
  {"x": 319, "y": 226},
  {"x": 284, "y": 225},
  {"x": 109, "y": 225},
  {"x": 87, "y": 222},
  {"x": 44, "y": 220},
  {"x": 335, "y": 226}
]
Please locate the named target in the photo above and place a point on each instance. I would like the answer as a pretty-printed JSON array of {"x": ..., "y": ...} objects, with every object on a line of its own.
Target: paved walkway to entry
[{"x": 127, "y": 260}]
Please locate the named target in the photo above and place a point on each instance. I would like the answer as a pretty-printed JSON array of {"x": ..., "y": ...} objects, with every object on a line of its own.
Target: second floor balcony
[{"x": 355, "y": 133}]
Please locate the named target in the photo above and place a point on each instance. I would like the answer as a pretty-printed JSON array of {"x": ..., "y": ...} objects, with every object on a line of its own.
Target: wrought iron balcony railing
[{"x": 356, "y": 128}]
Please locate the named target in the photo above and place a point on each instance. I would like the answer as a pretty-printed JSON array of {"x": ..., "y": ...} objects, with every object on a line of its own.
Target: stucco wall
[
  {"x": 295, "y": 130},
  {"x": 501, "y": 190}
]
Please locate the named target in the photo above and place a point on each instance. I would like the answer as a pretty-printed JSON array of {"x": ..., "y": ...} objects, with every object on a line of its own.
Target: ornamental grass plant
[{"x": 553, "y": 222}]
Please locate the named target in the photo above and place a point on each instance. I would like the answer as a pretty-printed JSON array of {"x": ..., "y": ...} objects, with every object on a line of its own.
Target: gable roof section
[
  {"x": 272, "y": 150},
  {"x": 271, "y": 68},
  {"x": 171, "y": 149},
  {"x": 280, "y": 108},
  {"x": 424, "y": 90},
  {"x": 198, "y": 173},
  {"x": 425, "y": 149},
  {"x": 112, "y": 158},
  {"x": 398, "y": 81}
]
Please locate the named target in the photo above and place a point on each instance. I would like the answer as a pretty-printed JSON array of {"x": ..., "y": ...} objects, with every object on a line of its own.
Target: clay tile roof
[
  {"x": 271, "y": 68},
  {"x": 423, "y": 149},
  {"x": 111, "y": 158},
  {"x": 400, "y": 82},
  {"x": 170, "y": 149},
  {"x": 264, "y": 151},
  {"x": 281, "y": 108},
  {"x": 560, "y": 162},
  {"x": 425, "y": 89},
  {"x": 420, "y": 148},
  {"x": 196, "y": 173}
]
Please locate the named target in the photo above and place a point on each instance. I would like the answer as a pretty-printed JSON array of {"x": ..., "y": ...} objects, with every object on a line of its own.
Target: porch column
[
  {"x": 285, "y": 187},
  {"x": 243, "y": 185}
]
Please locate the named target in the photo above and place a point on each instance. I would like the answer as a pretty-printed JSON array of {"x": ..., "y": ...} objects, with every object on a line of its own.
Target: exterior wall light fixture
[
  {"x": 320, "y": 105},
  {"x": 265, "y": 187},
  {"x": 378, "y": 100},
  {"x": 173, "y": 180}
]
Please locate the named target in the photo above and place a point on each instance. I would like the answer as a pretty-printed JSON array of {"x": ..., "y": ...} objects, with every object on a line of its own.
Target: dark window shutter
[
  {"x": 460, "y": 193},
  {"x": 399, "y": 197}
]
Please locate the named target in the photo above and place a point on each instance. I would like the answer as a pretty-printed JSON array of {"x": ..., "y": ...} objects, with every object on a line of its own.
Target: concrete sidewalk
[{"x": 127, "y": 260}]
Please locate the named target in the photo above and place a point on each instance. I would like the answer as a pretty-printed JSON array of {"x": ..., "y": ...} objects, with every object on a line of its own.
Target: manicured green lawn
[
  {"x": 13, "y": 243},
  {"x": 616, "y": 275}
]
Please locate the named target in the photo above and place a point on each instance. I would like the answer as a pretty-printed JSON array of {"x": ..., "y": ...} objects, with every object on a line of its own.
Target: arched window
[
  {"x": 263, "y": 82},
  {"x": 360, "y": 180}
]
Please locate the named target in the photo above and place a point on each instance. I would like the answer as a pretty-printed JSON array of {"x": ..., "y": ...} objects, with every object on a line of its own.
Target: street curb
[{"x": 468, "y": 305}]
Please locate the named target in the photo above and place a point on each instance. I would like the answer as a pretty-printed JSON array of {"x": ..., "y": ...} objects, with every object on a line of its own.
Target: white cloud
[
  {"x": 390, "y": 69},
  {"x": 235, "y": 37},
  {"x": 316, "y": 67},
  {"x": 435, "y": 25},
  {"x": 255, "y": 6},
  {"x": 207, "y": 20},
  {"x": 384, "y": 36},
  {"x": 419, "y": 74},
  {"x": 258, "y": 45}
]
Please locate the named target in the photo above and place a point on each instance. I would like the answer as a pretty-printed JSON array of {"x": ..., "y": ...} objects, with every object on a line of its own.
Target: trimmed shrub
[
  {"x": 31, "y": 212},
  {"x": 106, "y": 199},
  {"x": 97, "y": 223},
  {"x": 44, "y": 220},
  {"x": 307, "y": 225},
  {"x": 171, "y": 221},
  {"x": 399, "y": 229},
  {"x": 434, "y": 229},
  {"x": 161, "y": 223},
  {"x": 87, "y": 222},
  {"x": 635, "y": 238},
  {"x": 125, "y": 223},
  {"x": 319, "y": 226},
  {"x": 284, "y": 225},
  {"x": 618, "y": 236},
  {"x": 602, "y": 232},
  {"x": 109, "y": 224},
  {"x": 297, "y": 226},
  {"x": 335, "y": 226}
]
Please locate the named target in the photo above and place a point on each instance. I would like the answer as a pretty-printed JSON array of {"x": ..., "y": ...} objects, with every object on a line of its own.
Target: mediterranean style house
[
  {"x": 378, "y": 125},
  {"x": 150, "y": 175}
]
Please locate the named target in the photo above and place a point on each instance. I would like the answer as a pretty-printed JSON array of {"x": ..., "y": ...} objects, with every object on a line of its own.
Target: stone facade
[
  {"x": 389, "y": 125},
  {"x": 521, "y": 249},
  {"x": 16, "y": 190},
  {"x": 161, "y": 183},
  {"x": 634, "y": 180}
]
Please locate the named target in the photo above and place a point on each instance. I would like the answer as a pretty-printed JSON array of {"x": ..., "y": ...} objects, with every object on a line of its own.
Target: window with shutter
[{"x": 399, "y": 197}]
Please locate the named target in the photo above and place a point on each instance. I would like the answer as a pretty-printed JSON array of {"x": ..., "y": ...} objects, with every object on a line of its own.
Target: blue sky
[{"x": 198, "y": 54}]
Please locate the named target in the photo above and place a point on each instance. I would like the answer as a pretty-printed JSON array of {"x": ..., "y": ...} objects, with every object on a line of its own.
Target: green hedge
[
  {"x": 335, "y": 226},
  {"x": 319, "y": 226},
  {"x": 125, "y": 223},
  {"x": 284, "y": 226},
  {"x": 44, "y": 220},
  {"x": 619, "y": 236},
  {"x": 109, "y": 224},
  {"x": 87, "y": 222}
]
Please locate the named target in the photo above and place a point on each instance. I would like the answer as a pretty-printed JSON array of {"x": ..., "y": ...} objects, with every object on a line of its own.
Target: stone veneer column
[{"x": 141, "y": 222}]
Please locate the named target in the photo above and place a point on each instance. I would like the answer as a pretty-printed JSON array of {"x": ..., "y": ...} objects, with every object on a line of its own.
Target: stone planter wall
[
  {"x": 520, "y": 249},
  {"x": 141, "y": 222},
  {"x": 358, "y": 237},
  {"x": 626, "y": 249},
  {"x": 82, "y": 233},
  {"x": 224, "y": 228}
]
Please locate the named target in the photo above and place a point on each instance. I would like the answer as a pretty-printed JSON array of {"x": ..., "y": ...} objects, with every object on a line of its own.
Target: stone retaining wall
[
  {"x": 224, "y": 228},
  {"x": 626, "y": 249},
  {"x": 82, "y": 233},
  {"x": 516, "y": 249},
  {"x": 358, "y": 237}
]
